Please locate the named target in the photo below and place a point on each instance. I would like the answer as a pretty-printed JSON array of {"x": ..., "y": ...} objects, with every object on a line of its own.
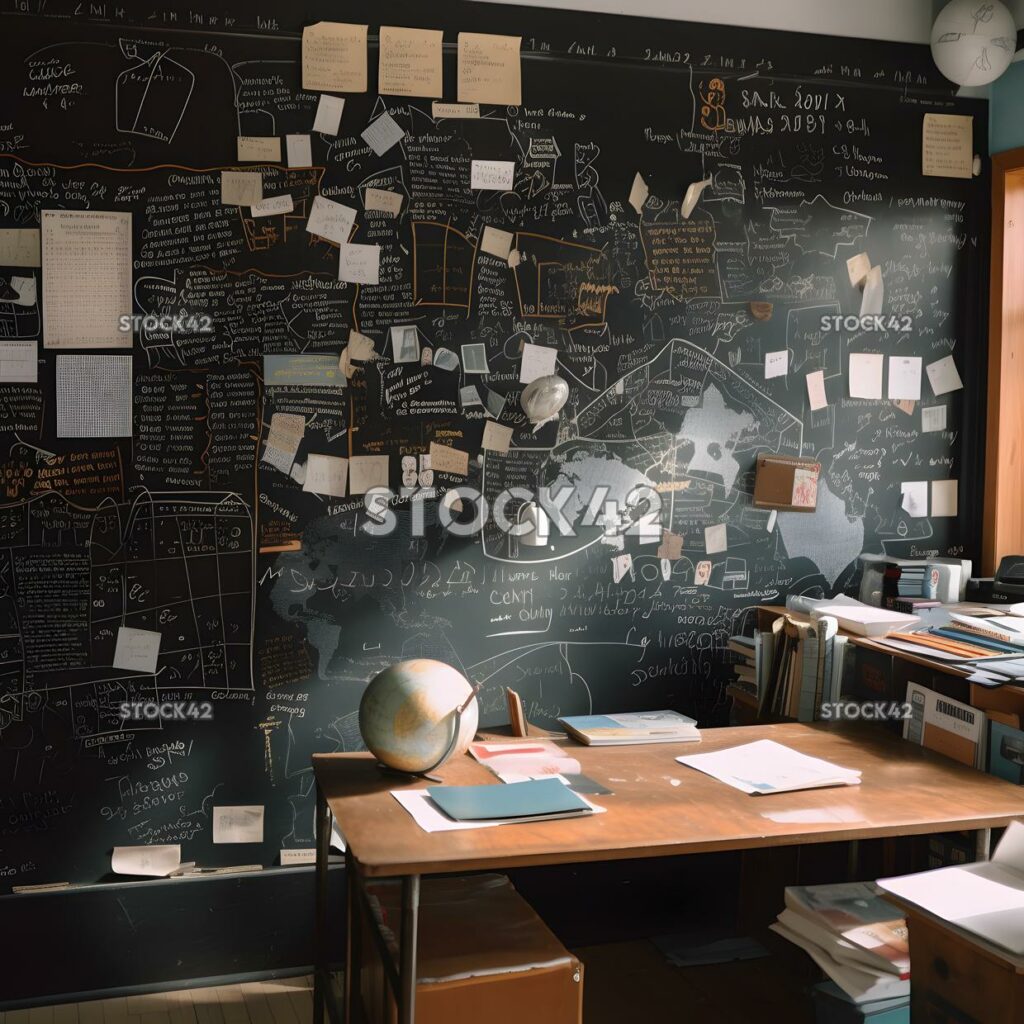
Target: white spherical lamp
[{"x": 973, "y": 41}]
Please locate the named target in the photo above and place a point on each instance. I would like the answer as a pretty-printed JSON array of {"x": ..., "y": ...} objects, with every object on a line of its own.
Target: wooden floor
[{"x": 285, "y": 1001}]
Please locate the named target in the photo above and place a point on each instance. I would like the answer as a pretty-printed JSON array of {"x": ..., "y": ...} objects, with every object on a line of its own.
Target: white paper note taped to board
[
  {"x": 19, "y": 247},
  {"x": 874, "y": 293},
  {"x": 330, "y": 220},
  {"x": 241, "y": 188},
  {"x": 87, "y": 267},
  {"x": 146, "y": 861},
  {"x": 334, "y": 57},
  {"x": 382, "y": 134},
  {"x": 328, "y": 114},
  {"x": 538, "y": 361},
  {"x": 19, "y": 361},
  {"x": 858, "y": 267},
  {"x": 914, "y": 498},
  {"x": 359, "y": 264},
  {"x": 382, "y": 201},
  {"x": 366, "y": 472},
  {"x": 496, "y": 242},
  {"x": 905, "y": 378},
  {"x": 497, "y": 437},
  {"x": 944, "y": 497},
  {"x": 445, "y": 459},
  {"x": 260, "y": 149},
  {"x": 238, "y": 823},
  {"x": 283, "y": 439},
  {"x": 275, "y": 206},
  {"x": 492, "y": 175},
  {"x": 293, "y": 857},
  {"x": 94, "y": 396},
  {"x": 137, "y": 650},
  {"x": 410, "y": 62},
  {"x": 326, "y": 474},
  {"x": 489, "y": 69},
  {"x": 454, "y": 111},
  {"x": 716, "y": 538},
  {"x": 776, "y": 364},
  {"x": 946, "y": 145},
  {"x": 866, "y": 374},
  {"x": 816, "y": 395},
  {"x": 933, "y": 418},
  {"x": 943, "y": 376},
  {"x": 300, "y": 150},
  {"x": 638, "y": 193}
]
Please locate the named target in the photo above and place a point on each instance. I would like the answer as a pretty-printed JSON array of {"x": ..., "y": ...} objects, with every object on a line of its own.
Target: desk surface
[{"x": 661, "y": 808}]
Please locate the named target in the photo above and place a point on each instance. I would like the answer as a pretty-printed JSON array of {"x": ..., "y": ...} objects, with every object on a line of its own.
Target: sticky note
[
  {"x": 914, "y": 498},
  {"x": 489, "y": 69},
  {"x": 241, "y": 188},
  {"x": 496, "y": 242},
  {"x": 537, "y": 361},
  {"x": 497, "y": 438},
  {"x": 137, "y": 650},
  {"x": 492, "y": 175},
  {"x": 259, "y": 149},
  {"x": 816, "y": 390},
  {"x": 366, "y": 472},
  {"x": 334, "y": 57}
]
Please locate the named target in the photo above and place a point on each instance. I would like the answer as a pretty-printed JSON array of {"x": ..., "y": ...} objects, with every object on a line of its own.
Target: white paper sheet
[
  {"x": 260, "y": 149},
  {"x": 146, "y": 861},
  {"x": 137, "y": 650},
  {"x": 334, "y": 57},
  {"x": 914, "y": 498},
  {"x": 383, "y": 201},
  {"x": 496, "y": 242},
  {"x": 638, "y": 193},
  {"x": 410, "y": 62},
  {"x": 446, "y": 459},
  {"x": 241, "y": 188},
  {"x": 497, "y": 438},
  {"x": 622, "y": 566},
  {"x": 716, "y": 538},
  {"x": 94, "y": 396},
  {"x": 330, "y": 220},
  {"x": 328, "y": 114},
  {"x": 857, "y": 267},
  {"x": 944, "y": 497},
  {"x": 943, "y": 376},
  {"x": 492, "y": 175},
  {"x": 933, "y": 418},
  {"x": 776, "y": 364},
  {"x": 359, "y": 264},
  {"x": 283, "y": 440},
  {"x": 474, "y": 358},
  {"x": 874, "y": 293},
  {"x": 866, "y": 375},
  {"x": 816, "y": 396},
  {"x": 383, "y": 133},
  {"x": 19, "y": 247},
  {"x": 693, "y": 194},
  {"x": 87, "y": 267},
  {"x": 405, "y": 344},
  {"x": 326, "y": 474},
  {"x": 537, "y": 361},
  {"x": 239, "y": 823},
  {"x": 299, "y": 149},
  {"x": 454, "y": 110},
  {"x": 273, "y": 207},
  {"x": 905, "y": 378},
  {"x": 19, "y": 361}
]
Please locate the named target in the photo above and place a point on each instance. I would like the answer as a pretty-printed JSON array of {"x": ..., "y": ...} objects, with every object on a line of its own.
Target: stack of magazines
[{"x": 854, "y": 935}]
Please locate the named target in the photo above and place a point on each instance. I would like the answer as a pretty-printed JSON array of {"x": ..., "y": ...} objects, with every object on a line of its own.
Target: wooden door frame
[{"x": 1003, "y": 517}]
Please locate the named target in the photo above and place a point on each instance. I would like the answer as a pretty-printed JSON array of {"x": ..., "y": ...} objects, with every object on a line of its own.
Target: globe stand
[{"x": 425, "y": 773}]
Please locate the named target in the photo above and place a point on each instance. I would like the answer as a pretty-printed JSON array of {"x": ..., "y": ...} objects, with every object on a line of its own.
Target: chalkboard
[{"x": 276, "y": 605}]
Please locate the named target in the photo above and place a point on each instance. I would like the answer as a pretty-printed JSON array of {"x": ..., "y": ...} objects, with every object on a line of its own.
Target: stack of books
[
  {"x": 946, "y": 726},
  {"x": 746, "y": 649},
  {"x": 635, "y": 727},
  {"x": 854, "y": 935},
  {"x": 908, "y": 588},
  {"x": 804, "y": 669},
  {"x": 965, "y": 638}
]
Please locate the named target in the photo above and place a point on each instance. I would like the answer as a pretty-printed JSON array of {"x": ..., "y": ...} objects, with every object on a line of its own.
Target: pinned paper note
[
  {"x": 492, "y": 175},
  {"x": 943, "y": 376},
  {"x": 359, "y": 264},
  {"x": 296, "y": 855},
  {"x": 19, "y": 361},
  {"x": 405, "y": 344},
  {"x": 238, "y": 824},
  {"x": 146, "y": 861},
  {"x": 454, "y": 110},
  {"x": 702, "y": 573},
  {"x": 946, "y": 146},
  {"x": 494, "y": 403},
  {"x": 489, "y": 69},
  {"x": 382, "y": 201},
  {"x": 816, "y": 396},
  {"x": 905, "y": 377},
  {"x": 326, "y": 474},
  {"x": 538, "y": 361},
  {"x": 445, "y": 459},
  {"x": 272, "y": 207},
  {"x": 94, "y": 396},
  {"x": 874, "y": 293},
  {"x": 474, "y": 358},
  {"x": 334, "y": 57},
  {"x": 933, "y": 418},
  {"x": 300, "y": 370},
  {"x": 241, "y": 188},
  {"x": 137, "y": 650},
  {"x": 671, "y": 546},
  {"x": 944, "y": 497},
  {"x": 858, "y": 267},
  {"x": 330, "y": 220},
  {"x": 383, "y": 133},
  {"x": 366, "y": 472},
  {"x": 446, "y": 359},
  {"x": 497, "y": 438},
  {"x": 693, "y": 194},
  {"x": 259, "y": 149},
  {"x": 914, "y": 498},
  {"x": 621, "y": 566},
  {"x": 283, "y": 440},
  {"x": 19, "y": 247},
  {"x": 638, "y": 193},
  {"x": 866, "y": 375},
  {"x": 410, "y": 62},
  {"x": 299, "y": 149},
  {"x": 776, "y": 364},
  {"x": 716, "y": 538},
  {"x": 905, "y": 405},
  {"x": 496, "y": 242},
  {"x": 328, "y": 114}
]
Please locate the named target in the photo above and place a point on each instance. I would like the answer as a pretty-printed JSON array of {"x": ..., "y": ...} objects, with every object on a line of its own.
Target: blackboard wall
[{"x": 814, "y": 157}]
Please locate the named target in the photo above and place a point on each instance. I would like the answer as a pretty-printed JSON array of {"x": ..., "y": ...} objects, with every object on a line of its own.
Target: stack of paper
[
  {"x": 985, "y": 898},
  {"x": 765, "y": 766},
  {"x": 857, "y": 938},
  {"x": 514, "y": 762},
  {"x": 640, "y": 727}
]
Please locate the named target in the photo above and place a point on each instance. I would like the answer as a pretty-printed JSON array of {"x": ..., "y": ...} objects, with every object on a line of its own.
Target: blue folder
[{"x": 540, "y": 798}]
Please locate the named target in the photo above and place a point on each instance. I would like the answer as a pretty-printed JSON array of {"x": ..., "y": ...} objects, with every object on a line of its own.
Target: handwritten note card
[
  {"x": 272, "y": 207},
  {"x": 19, "y": 247},
  {"x": 94, "y": 396},
  {"x": 943, "y": 376},
  {"x": 496, "y": 437},
  {"x": 382, "y": 134},
  {"x": 716, "y": 538},
  {"x": 260, "y": 149},
  {"x": 137, "y": 650},
  {"x": 492, "y": 175},
  {"x": 489, "y": 70},
  {"x": 366, "y": 472},
  {"x": 538, "y": 361},
  {"x": 496, "y": 242},
  {"x": 326, "y": 474},
  {"x": 241, "y": 188},
  {"x": 334, "y": 57},
  {"x": 359, "y": 264},
  {"x": 816, "y": 390},
  {"x": 445, "y": 459},
  {"x": 410, "y": 62},
  {"x": 299, "y": 149},
  {"x": 328, "y": 114},
  {"x": 776, "y": 364},
  {"x": 238, "y": 824},
  {"x": 283, "y": 440},
  {"x": 905, "y": 377},
  {"x": 382, "y": 201},
  {"x": 330, "y": 220},
  {"x": 946, "y": 145}
]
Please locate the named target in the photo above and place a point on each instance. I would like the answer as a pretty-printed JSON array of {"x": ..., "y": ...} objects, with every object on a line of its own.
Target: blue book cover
[
  {"x": 538, "y": 798},
  {"x": 1006, "y": 753}
]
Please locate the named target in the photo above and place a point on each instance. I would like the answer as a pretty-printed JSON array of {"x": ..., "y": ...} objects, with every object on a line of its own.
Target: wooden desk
[{"x": 906, "y": 790}]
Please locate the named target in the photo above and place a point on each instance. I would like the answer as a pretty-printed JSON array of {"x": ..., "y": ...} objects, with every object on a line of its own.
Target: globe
[
  {"x": 973, "y": 41},
  {"x": 408, "y": 713}
]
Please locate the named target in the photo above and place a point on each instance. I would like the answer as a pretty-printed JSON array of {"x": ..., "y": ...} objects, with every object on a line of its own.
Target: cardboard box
[
  {"x": 483, "y": 955},
  {"x": 786, "y": 483}
]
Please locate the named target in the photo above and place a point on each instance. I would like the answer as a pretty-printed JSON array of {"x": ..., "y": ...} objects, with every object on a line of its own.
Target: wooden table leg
[
  {"x": 321, "y": 953},
  {"x": 982, "y": 843},
  {"x": 407, "y": 952}
]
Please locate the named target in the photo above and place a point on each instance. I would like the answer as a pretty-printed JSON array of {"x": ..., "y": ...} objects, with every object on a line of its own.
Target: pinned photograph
[{"x": 405, "y": 344}]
